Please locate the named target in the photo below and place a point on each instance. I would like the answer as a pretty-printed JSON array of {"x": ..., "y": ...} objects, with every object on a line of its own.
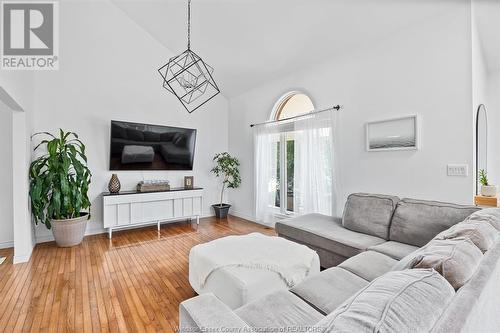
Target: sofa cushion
[
  {"x": 206, "y": 312},
  {"x": 137, "y": 154},
  {"x": 326, "y": 232},
  {"x": 330, "y": 288},
  {"x": 404, "y": 301},
  {"x": 279, "y": 309},
  {"x": 134, "y": 134},
  {"x": 166, "y": 136},
  {"x": 327, "y": 258},
  {"x": 483, "y": 235},
  {"x": 456, "y": 259},
  {"x": 180, "y": 140},
  {"x": 488, "y": 215},
  {"x": 416, "y": 222},
  {"x": 369, "y": 213},
  {"x": 395, "y": 250},
  {"x": 369, "y": 265},
  {"x": 151, "y": 136}
]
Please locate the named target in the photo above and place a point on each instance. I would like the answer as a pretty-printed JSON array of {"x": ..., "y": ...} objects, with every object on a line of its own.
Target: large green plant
[
  {"x": 59, "y": 179},
  {"x": 227, "y": 167}
]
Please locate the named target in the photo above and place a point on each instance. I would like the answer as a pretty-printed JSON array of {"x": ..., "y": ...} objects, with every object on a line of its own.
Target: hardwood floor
[{"x": 132, "y": 283}]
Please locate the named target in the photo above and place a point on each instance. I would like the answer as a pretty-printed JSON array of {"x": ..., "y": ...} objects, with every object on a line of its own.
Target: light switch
[{"x": 458, "y": 170}]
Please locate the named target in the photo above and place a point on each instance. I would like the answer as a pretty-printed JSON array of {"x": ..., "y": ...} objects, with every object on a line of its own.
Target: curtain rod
[{"x": 335, "y": 107}]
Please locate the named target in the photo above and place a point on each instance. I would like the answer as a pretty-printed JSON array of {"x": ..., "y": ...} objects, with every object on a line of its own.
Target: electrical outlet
[{"x": 458, "y": 170}]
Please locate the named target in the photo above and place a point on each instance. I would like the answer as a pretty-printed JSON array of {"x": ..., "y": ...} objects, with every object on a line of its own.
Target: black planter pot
[{"x": 221, "y": 211}]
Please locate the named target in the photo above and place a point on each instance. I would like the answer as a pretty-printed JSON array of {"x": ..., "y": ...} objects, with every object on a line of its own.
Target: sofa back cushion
[
  {"x": 455, "y": 259},
  {"x": 152, "y": 136},
  {"x": 487, "y": 215},
  {"x": 402, "y": 301},
  {"x": 135, "y": 135},
  {"x": 482, "y": 234},
  {"x": 416, "y": 222},
  {"x": 369, "y": 213}
]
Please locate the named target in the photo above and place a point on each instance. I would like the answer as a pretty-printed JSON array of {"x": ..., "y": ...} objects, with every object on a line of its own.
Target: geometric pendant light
[{"x": 188, "y": 77}]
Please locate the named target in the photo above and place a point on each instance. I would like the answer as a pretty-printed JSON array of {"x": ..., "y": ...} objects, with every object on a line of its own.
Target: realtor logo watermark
[{"x": 30, "y": 35}]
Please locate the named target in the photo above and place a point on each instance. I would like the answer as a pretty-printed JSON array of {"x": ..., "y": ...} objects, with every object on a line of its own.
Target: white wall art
[{"x": 400, "y": 133}]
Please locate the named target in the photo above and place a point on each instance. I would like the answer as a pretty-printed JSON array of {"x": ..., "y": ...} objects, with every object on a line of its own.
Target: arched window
[
  {"x": 290, "y": 105},
  {"x": 294, "y": 160}
]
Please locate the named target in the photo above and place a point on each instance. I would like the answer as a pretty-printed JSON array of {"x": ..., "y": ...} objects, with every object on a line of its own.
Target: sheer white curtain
[
  {"x": 314, "y": 160},
  {"x": 314, "y": 188},
  {"x": 266, "y": 139}
]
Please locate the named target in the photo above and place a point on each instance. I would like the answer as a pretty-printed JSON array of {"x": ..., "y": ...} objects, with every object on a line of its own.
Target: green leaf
[
  {"x": 60, "y": 179},
  {"x": 227, "y": 167}
]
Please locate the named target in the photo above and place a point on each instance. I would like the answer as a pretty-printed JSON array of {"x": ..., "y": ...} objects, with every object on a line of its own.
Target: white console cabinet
[{"x": 130, "y": 209}]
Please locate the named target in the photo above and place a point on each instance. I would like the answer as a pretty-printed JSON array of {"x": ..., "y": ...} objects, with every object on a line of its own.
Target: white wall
[
  {"x": 108, "y": 70},
  {"x": 479, "y": 80},
  {"x": 493, "y": 110},
  {"x": 18, "y": 91},
  {"x": 24, "y": 239},
  {"x": 6, "y": 202},
  {"x": 479, "y": 68},
  {"x": 424, "y": 70}
]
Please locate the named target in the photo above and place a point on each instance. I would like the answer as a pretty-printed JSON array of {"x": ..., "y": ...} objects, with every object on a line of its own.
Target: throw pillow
[
  {"x": 488, "y": 215},
  {"x": 455, "y": 259},
  {"x": 483, "y": 235}
]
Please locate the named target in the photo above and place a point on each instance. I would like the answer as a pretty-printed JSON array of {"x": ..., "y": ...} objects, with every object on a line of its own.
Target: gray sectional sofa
[
  {"x": 395, "y": 266},
  {"x": 376, "y": 222}
]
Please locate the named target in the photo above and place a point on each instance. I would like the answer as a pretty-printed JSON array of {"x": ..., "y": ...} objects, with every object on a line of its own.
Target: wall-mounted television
[{"x": 137, "y": 146}]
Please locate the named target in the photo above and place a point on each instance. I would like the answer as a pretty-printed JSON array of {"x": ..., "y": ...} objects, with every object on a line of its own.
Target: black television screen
[{"x": 151, "y": 147}]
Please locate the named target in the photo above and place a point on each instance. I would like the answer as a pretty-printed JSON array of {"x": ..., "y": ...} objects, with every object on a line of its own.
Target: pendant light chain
[{"x": 189, "y": 24}]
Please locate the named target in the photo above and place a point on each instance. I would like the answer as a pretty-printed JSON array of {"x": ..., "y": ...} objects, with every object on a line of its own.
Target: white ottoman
[{"x": 235, "y": 276}]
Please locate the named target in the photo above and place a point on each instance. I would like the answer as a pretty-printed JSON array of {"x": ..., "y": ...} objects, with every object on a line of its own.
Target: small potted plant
[
  {"x": 59, "y": 184},
  {"x": 487, "y": 190},
  {"x": 226, "y": 167}
]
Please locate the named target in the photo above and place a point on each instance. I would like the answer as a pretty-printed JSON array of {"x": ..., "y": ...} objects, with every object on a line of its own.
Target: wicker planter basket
[{"x": 70, "y": 232}]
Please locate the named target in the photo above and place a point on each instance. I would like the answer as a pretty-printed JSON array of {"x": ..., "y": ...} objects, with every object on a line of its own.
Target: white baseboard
[
  {"x": 50, "y": 238},
  {"x": 21, "y": 258},
  {"x": 6, "y": 245},
  {"x": 242, "y": 215},
  {"x": 97, "y": 231},
  {"x": 248, "y": 217}
]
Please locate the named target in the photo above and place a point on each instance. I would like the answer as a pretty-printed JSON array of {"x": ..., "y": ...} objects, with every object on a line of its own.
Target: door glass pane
[
  {"x": 277, "y": 202},
  {"x": 295, "y": 105},
  {"x": 290, "y": 144}
]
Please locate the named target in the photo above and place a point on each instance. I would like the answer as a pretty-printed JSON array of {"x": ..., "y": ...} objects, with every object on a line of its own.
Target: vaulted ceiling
[
  {"x": 249, "y": 42},
  {"x": 487, "y": 15}
]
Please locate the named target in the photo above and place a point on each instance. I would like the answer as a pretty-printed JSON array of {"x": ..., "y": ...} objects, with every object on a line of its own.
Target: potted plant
[
  {"x": 227, "y": 168},
  {"x": 487, "y": 190},
  {"x": 59, "y": 183}
]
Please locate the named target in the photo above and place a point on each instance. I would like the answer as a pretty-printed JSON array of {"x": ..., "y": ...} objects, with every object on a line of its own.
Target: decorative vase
[
  {"x": 70, "y": 232},
  {"x": 489, "y": 190},
  {"x": 114, "y": 185}
]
